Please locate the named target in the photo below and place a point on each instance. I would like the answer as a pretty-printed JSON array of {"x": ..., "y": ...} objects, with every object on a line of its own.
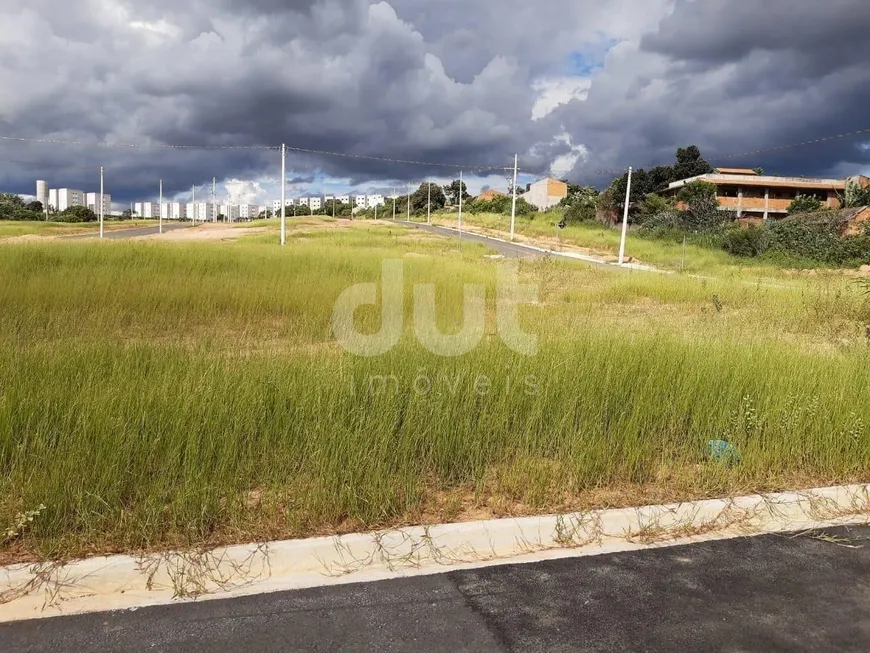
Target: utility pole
[
  {"x": 514, "y": 202},
  {"x": 408, "y": 219},
  {"x": 102, "y": 216},
  {"x": 193, "y": 205},
  {"x": 213, "y": 200},
  {"x": 160, "y": 208},
  {"x": 394, "y": 205},
  {"x": 625, "y": 219},
  {"x": 460, "y": 209},
  {"x": 283, "y": 194},
  {"x": 429, "y": 202}
]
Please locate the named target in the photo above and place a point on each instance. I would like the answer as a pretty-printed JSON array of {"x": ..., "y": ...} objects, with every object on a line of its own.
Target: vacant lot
[{"x": 157, "y": 394}]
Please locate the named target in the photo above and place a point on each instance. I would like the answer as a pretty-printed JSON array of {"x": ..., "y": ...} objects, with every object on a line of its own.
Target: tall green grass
[{"x": 156, "y": 394}]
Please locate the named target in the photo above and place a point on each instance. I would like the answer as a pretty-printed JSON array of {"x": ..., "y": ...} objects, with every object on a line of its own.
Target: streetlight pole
[
  {"x": 160, "y": 207},
  {"x": 408, "y": 219},
  {"x": 429, "y": 202},
  {"x": 283, "y": 194},
  {"x": 193, "y": 205},
  {"x": 102, "y": 204},
  {"x": 214, "y": 211},
  {"x": 514, "y": 202},
  {"x": 460, "y": 208},
  {"x": 625, "y": 219}
]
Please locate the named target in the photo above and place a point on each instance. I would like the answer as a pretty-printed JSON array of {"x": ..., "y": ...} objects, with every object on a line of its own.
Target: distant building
[
  {"x": 315, "y": 203},
  {"x": 146, "y": 209},
  {"x": 201, "y": 211},
  {"x": 546, "y": 193},
  {"x": 175, "y": 211},
  {"x": 42, "y": 193},
  {"x": 249, "y": 211},
  {"x": 61, "y": 199},
  {"x": 305, "y": 201},
  {"x": 93, "y": 203},
  {"x": 489, "y": 195},
  {"x": 229, "y": 211},
  {"x": 276, "y": 206},
  {"x": 343, "y": 199},
  {"x": 754, "y": 197},
  {"x": 374, "y": 200},
  {"x": 359, "y": 201}
]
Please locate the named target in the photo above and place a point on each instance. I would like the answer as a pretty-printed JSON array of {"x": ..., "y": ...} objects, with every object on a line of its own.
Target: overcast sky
[{"x": 572, "y": 86}]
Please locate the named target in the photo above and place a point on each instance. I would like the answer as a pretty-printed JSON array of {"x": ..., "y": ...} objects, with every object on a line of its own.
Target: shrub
[
  {"x": 76, "y": 214},
  {"x": 805, "y": 204},
  {"x": 749, "y": 241}
]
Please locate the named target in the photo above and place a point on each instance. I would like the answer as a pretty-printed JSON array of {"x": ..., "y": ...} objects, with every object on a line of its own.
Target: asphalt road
[
  {"x": 770, "y": 593},
  {"x": 509, "y": 250},
  {"x": 131, "y": 233}
]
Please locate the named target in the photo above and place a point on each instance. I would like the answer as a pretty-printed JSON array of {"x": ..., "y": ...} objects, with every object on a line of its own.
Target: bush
[
  {"x": 750, "y": 241},
  {"x": 805, "y": 204},
  {"x": 500, "y": 204},
  {"x": 76, "y": 214},
  {"x": 580, "y": 213}
]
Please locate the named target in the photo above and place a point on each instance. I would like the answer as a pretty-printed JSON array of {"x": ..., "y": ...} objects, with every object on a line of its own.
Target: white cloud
[
  {"x": 556, "y": 91},
  {"x": 563, "y": 164},
  {"x": 245, "y": 192}
]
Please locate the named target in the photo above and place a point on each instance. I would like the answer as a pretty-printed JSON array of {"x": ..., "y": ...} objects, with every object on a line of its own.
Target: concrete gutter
[{"x": 127, "y": 582}]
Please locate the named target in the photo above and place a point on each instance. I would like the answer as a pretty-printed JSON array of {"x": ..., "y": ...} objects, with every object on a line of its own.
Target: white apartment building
[
  {"x": 61, "y": 199},
  {"x": 175, "y": 211},
  {"x": 249, "y": 211},
  {"x": 230, "y": 211},
  {"x": 146, "y": 209},
  {"x": 371, "y": 201},
  {"x": 276, "y": 206},
  {"x": 93, "y": 203},
  {"x": 201, "y": 211},
  {"x": 359, "y": 201},
  {"x": 305, "y": 201},
  {"x": 315, "y": 203}
]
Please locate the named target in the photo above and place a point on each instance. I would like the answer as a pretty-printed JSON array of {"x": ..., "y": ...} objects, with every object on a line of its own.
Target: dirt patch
[
  {"x": 26, "y": 238},
  {"x": 209, "y": 232}
]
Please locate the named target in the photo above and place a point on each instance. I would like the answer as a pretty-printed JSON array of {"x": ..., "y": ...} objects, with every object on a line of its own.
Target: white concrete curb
[
  {"x": 123, "y": 582},
  {"x": 571, "y": 255}
]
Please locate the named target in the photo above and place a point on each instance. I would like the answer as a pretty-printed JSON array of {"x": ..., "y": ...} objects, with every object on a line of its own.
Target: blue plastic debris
[{"x": 723, "y": 452}]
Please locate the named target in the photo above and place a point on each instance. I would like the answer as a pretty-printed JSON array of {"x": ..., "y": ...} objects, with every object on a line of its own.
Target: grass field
[
  {"x": 601, "y": 240},
  {"x": 159, "y": 394},
  {"x": 10, "y": 229}
]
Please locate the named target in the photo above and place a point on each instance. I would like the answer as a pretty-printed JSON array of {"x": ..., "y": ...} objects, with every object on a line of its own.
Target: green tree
[
  {"x": 805, "y": 204},
  {"x": 76, "y": 214},
  {"x": 11, "y": 199},
  {"x": 856, "y": 196},
  {"x": 12, "y": 207},
  {"x": 702, "y": 207},
  {"x": 690, "y": 163},
  {"x": 652, "y": 205},
  {"x": 35, "y": 206},
  {"x": 452, "y": 190},
  {"x": 581, "y": 203},
  {"x": 420, "y": 198}
]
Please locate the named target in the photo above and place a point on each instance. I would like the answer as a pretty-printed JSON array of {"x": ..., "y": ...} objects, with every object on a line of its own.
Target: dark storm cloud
[
  {"x": 447, "y": 82},
  {"x": 735, "y": 77}
]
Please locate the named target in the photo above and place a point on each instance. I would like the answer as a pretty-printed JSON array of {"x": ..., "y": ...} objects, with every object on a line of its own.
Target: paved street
[
  {"x": 133, "y": 232},
  {"x": 770, "y": 593},
  {"x": 509, "y": 250}
]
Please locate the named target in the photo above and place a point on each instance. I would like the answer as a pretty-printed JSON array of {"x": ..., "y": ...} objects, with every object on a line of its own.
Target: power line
[
  {"x": 56, "y": 141},
  {"x": 363, "y": 157}
]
